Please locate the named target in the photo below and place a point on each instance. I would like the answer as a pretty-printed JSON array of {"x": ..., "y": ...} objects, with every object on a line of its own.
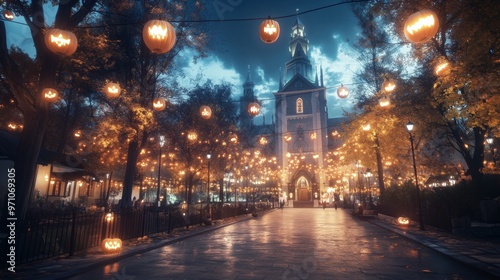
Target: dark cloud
[{"x": 238, "y": 44}]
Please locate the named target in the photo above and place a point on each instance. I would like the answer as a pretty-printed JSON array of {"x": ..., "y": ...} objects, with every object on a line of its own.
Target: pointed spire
[
  {"x": 281, "y": 79},
  {"x": 316, "y": 81},
  {"x": 248, "y": 75},
  {"x": 321, "y": 74}
]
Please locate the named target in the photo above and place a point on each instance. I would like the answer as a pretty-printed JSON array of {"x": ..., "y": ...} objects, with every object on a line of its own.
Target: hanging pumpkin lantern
[
  {"x": 263, "y": 140},
  {"x": 61, "y": 41},
  {"x": 111, "y": 245},
  {"x": 192, "y": 136},
  {"x": 159, "y": 104},
  {"x": 269, "y": 31},
  {"x": 442, "y": 69},
  {"x": 159, "y": 36},
  {"x": 112, "y": 90},
  {"x": 287, "y": 137},
  {"x": 421, "y": 26},
  {"x": 384, "y": 102},
  {"x": 342, "y": 91},
  {"x": 253, "y": 109},
  {"x": 313, "y": 135},
  {"x": 389, "y": 85},
  {"x": 8, "y": 15},
  {"x": 233, "y": 138},
  {"x": 50, "y": 95},
  {"x": 205, "y": 112}
]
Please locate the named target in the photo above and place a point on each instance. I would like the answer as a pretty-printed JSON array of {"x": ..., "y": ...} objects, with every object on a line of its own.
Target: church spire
[
  {"x": 321, "y": 75},
  {"x": 299, "y": 62},
  {"x": 316, "y": 82}
]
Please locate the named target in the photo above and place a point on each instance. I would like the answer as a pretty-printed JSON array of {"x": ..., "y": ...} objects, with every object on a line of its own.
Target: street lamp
[
  {"x": 409, "y": 127},
  {"x": 368, "y": 176},
  {"x": 162, "y": 142},
  {"x": 208, "y": 185}
]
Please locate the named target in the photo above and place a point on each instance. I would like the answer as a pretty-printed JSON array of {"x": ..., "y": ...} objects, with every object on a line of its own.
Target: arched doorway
[{"x": 302, "y": 186}]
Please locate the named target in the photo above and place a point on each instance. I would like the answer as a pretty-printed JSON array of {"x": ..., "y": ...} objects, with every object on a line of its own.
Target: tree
[
  {"x": 27, "y": 90},
  {"x": 467, "y": 99},
  {"x": 212, "y": 135}
]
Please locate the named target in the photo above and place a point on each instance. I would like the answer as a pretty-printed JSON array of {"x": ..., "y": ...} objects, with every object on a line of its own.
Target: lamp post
[
  {"x": 368, "y": 176},
  {"x": 378, "y": 155},
  {"x": 489, "y": 140},
  {"x": 359, "y": 181},
  {"x": 162, "y": 142},
  {"x": 208, "y": 184},
  {"x": 409, "y": 127}
]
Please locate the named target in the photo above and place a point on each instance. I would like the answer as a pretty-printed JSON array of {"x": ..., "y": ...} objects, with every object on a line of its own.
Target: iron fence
[{"x": 47, "y": 234}]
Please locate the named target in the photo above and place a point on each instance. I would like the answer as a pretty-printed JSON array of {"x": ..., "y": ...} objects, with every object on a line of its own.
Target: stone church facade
[{"x": 300, "y": 127}]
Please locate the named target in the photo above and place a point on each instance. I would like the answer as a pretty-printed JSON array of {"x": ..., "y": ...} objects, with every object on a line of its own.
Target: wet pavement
[{"x": 289, "y": 244}]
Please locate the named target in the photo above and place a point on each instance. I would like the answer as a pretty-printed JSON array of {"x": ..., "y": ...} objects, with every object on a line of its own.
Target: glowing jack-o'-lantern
[
  {"x": 61, "y": 41},
  {"x": 112, "y": 90},
  {"x": 159, "y": 36},
  {"x": 403, "y": 221},
  {"x": 287, "y": 137},
  {"x": 389, "y": 85},
  {"x": 8, "y": 15},
  {"x": 384, "y": 102},
  {"x": 233, "y": 138},
  {"x": 205, "y": 112},
  {"x": 159, "y": 104},
  {"x": 111, "y": 245},
  {"x": 342, "y": 91},
  {"x": 50, "y": 94},
  {"x": 421, "y": 26},
  {"x": 253, "y": 109},
  {"x": 269, "y": 31},
  {"x": 263, "y": 140},
  {"x": 192, "y": 136}
]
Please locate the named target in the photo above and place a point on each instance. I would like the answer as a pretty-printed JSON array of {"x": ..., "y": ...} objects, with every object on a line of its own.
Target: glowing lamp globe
[
  {"x": 112, "y": 90},
  {"x": 159, "y": 36},
  {"x": 50, "y": 95},
  {"x": 8, "y": 15},
  {"x": 342, "y": 92},
  {"x": 159, "y": 104},
  {"x": 205, "y": 112},
  {"x": 253, "y": 109},
  {"x": 61, "y": 41},
  {"x": 421, "y": 26},
  {"x": 269, "y": 31}
]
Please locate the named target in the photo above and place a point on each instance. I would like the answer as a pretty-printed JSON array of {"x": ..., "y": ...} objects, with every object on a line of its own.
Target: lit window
[{"x": 300, "y": 106}]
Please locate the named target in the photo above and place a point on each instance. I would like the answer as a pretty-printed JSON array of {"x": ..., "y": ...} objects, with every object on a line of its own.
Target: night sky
[{"x": 235, "y": 45}]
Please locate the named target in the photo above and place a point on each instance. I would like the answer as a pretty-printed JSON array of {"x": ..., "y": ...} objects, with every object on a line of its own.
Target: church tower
[
  {"x": 301, "y": 125},
  {"x": 248, "y": 96}
]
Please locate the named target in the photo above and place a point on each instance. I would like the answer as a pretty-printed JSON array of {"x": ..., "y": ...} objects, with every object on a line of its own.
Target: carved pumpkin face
[
  {"x": 159, "y": 104},
  {"x": 8, "y": 15},
  {"x": 253, "y": 109},
  {"x": 269, "y": 31},
  {"x": 111, "y": 245},
  {"x": 112, "y": 90},
  {"x": 421, "y": 26},
  {"x": 50, "y": 94},
  {"x": 159, "y": 36},
  {"x": 403, "y": 221},
  {"x": 342, "y": 92},
  {"x": 61, "y": 41},
  {"x": 205, "y": 112}
]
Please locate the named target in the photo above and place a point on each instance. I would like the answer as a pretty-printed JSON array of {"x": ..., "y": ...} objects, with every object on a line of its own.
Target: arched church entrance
[{"x": 303, "y": 185}]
